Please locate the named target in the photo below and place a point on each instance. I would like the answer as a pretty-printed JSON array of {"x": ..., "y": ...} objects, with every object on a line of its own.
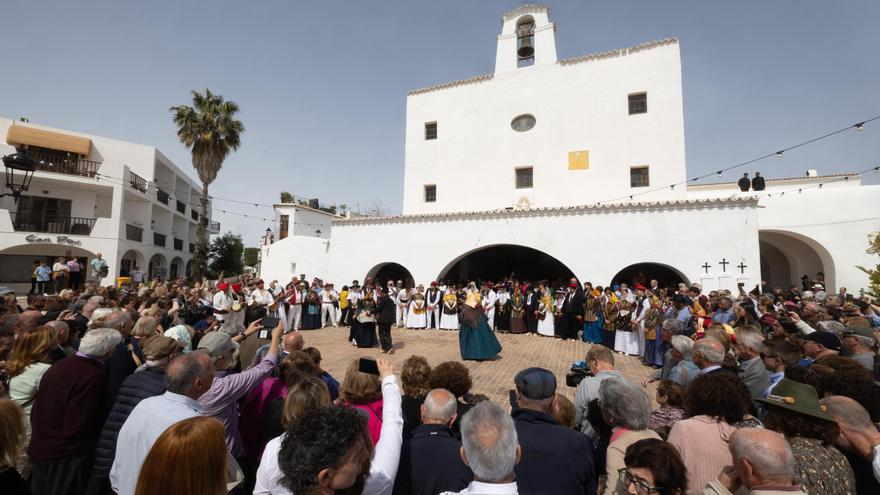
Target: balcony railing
[
  {"x": 162, "y": 196},
  {"x": 159, "y": 239},
  {"x": 134, "y": 233},
  {"x": 50, "y": 162},
  {"x": 213, "y": 226},
  {"x": 137, "y": 182},
  {"x": 54, "y": 224},
  {"x": 178, "y": 244},
  {"x": 181, "y": 206},
  {"x": 194, "y": 214}
]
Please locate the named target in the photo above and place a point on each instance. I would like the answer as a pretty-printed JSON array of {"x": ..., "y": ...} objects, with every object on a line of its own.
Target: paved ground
[{"x": 492, "y": 378}]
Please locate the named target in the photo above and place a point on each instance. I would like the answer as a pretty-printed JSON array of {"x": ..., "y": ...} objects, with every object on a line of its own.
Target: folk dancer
[
  {"x": 476, "y": 340},
  {"x": 593, "y": 317},
  {"x": 517, "y": 312},
  {"x": 258, "y": 302},
  {"x": 365, "y": 333},
  {"x": 502, "y": 310},
  {"x": 433, "y": 299},
  {"x": 489, "y": 298},
  {"x": 655, "y": 347},
  {"x": 609, "y": 310},
  {"x": 355, "y": 296},
  {"x": 416, "y": 315},
  {"x": 328, "y": 306},
  {"x": 545, "y": 312},
  {"x": 296, "y": 296},
  {"x": 532, "y": 300},
  {"x": 572, "y": 312},
  {"x": 449, "y": 318},
  {"x": 640, "y": 311},
  {"x": 403, "y": 296},
  {"x": 625, "y": 342}
]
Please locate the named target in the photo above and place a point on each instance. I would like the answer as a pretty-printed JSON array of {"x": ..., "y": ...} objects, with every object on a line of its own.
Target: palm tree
[{"x": 209, "y": 129}]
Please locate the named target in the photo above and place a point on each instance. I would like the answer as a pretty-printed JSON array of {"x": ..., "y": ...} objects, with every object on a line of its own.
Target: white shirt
[
  {"x": 147, "y": 421},
  {"x": 328, "y": 297},
  {"x": 223, "y": 303},
  {"x": 60, "y": 267},
  {"x": 489, "y": 300},
  {"x": 480, "y": 488},
  {"x": 260, "y": 296},
  {"x": 386, "y": 456}
]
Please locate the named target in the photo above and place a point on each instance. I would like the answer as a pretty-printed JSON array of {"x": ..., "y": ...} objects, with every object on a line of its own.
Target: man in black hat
[
  {"x": 555, "y": 459},
  {"x": 818, "y": 345}
]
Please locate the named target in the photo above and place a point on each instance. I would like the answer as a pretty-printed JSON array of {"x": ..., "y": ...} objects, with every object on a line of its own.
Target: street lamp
[{"x": 18, "y": 183}]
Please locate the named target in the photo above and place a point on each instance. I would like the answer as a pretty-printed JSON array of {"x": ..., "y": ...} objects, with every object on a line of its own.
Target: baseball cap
[
  {"x": 217, "y": 343},
  {"x": 536, "y": 383},
  {"x": 827, "y": 339},
  {"x": 160, "y": 347}
]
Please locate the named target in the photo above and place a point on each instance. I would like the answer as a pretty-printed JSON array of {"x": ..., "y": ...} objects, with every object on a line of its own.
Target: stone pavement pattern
[{"x": 492, "y": 378}]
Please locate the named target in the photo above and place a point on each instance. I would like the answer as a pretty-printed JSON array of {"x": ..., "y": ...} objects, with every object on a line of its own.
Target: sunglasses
[{"x": 641, "y": 487}]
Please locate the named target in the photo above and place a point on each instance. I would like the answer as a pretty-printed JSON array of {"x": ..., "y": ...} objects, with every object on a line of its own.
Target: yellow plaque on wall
[{"x": 578, "y": 160}]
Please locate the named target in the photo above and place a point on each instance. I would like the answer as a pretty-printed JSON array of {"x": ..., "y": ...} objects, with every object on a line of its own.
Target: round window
[{"x": 523, "y": 123}]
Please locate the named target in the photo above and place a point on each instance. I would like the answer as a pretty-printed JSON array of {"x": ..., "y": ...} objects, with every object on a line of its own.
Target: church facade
[{"x": 554, "y": 164}]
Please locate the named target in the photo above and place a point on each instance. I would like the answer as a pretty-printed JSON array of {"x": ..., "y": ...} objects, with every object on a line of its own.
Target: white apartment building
[{"x": 92, "y": 194}]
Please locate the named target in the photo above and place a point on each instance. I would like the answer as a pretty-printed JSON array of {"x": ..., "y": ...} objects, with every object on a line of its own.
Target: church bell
[{"x": 525, "y": 48}]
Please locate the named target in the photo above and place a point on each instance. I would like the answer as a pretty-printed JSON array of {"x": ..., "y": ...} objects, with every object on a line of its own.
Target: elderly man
[
  {"x": 491, "y": 449},
  {"x": 858, "y": 345},
  {"x": 221, "y": 401},
  {"x": 708, "y": 354},
  {"x": 28, "y": 320},
  {"x": 778, "y": 355},
  {"x": 555, "y": 459},
  {"x": 724, "y": 313},
  {"x": 292, "y": 341},
  {"x": 859, "y": 440},
  {"x": 67, "y": 416},
  {"x": 749, "y": 346},
  {"x": 762, "y": 465},
  {"x": 121, "y": 364},
  {"x": 62, "y": 331},
  {"x": 817, "y": 345},
  {"x": 600, "y": 361},
  {"x": 186, "y": 379},
  {"x": 99, "y": 268},
  {"x": 430, "y": 462}
]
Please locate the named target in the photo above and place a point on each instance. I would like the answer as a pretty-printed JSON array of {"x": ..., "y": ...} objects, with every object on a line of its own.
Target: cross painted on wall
[
  {"x": 724, "y": 264},
  {"x": 706, "y": 267},
  {"x": 742, "y": 267}
]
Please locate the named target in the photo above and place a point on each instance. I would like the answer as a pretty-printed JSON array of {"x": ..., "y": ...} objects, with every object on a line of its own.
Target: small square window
[
  {"x": 431, "y": 194},
  {"x": 524, "y": 178},
  {"x": 638, "y": 103},
  {"x": 430, "y": 130},
  {"x": 638, "y": 177}
]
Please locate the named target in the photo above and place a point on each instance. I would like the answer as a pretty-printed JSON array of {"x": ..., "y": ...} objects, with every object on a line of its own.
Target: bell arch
[{"x": 788, "y": 256}]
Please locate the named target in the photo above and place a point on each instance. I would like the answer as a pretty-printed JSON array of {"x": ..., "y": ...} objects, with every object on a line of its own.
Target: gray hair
[
  {"x": 99, "y": 313},
  {"x": 751, "y": 339},
  {"x": 441, "y": 405},
  {"x": 674, "y": 327},
  {"x": 767, "y": 451},
  {"x": 624, "y": 403},
  {"x": 490, "y": 442},
  {"x": 98, "y": 342},
  {"x": 184, "y": 370},
  {"x": 710, "y": 349},
  {"x": 683, "y": 344},
  {"x": 832, "y": 326},
  {"x": 117, "y": 320},
  {"x": 848, "y": 412}
]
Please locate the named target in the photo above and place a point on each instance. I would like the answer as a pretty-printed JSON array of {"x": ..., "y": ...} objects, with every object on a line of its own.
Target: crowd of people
[{"x": 179, "y": 388}]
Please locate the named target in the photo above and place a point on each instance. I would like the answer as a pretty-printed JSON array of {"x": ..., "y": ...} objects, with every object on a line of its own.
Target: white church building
[{"x": 550, "y": 167}]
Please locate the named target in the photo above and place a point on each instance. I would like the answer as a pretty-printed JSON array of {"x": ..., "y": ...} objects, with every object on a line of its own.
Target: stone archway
[
  {"x": 383, "y": 272},
  {"x": 157, "y": 267},
  {"x": 787, "y": 256},
  {"x": 176, "y": 268},
  {"x": 499, "y": 261},
  {"x": 130, "y": 261},
  {"x": 643, "y": 273}
]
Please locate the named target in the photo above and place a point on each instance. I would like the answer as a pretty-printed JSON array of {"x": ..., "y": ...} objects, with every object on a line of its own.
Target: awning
[{"x": 21, "y": 134}]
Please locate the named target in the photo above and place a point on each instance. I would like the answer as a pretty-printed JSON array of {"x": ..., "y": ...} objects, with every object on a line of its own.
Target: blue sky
[{"x": 322, "y": 85}]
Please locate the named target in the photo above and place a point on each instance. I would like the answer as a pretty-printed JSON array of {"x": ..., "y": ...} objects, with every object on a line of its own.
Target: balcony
[
  {"x": 194, "y": 214},
  {"x": 162, "y": 196},
  {"x": 137, "y": 182},
  {"x": 178, "y": 244},
  {"x": 60, "y": 163},
  {"x": 181, "y": 207},
  {"x": 53, "y": 224},
  {"x": 134, "y": 233},
  {"x": 214, "y": 227},
  {"x": 159, "y": 239}
]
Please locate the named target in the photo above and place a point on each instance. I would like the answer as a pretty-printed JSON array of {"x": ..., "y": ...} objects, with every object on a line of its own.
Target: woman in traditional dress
[
  {"x": 517, "y": 311},
  {"x": 502, "y": 310},
  {"x": 365, "y": 335},
  {"x": 655, "y": 347},
  {"x": 312, "y": 317},
  {"x": 475, "y": 339},
  {"x": 449, "y": 310},
  {"x": 546, "y": 314},
  {"x": 417, "y": 316},
  {"x": 625, "y": 339},
  {"x": 593, "y": 317},
  {"x": 355, "y": 300},
  {"x": 609, "y": 309}
]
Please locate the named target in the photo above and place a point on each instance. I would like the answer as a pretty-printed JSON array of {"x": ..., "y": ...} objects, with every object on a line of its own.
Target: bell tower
[{"x": 527, "y": 39}]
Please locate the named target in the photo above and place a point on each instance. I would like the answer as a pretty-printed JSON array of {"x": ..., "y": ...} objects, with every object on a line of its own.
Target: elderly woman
[
  {"x": 685, "y": 371},
  {"x": 415, "y": 379},
  {"x": 715, "y": 402},
  {"x": 625, "y": 407},
  {"x": 654, "y": 466}
]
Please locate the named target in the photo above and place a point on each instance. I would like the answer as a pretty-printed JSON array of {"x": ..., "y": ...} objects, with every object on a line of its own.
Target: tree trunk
[{"x": 201, "y": 237}]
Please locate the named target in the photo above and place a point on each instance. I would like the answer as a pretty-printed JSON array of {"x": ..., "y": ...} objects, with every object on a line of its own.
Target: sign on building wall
[{"x": 579, "y": 160}]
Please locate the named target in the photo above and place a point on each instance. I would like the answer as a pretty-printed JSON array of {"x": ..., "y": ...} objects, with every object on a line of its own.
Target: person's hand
[
  {"x": 277, "y": 332},
  {"x": 646, "y": 381},
  {"x": 729, "y": 478},
  {"x": 254, "y": 327},
  {"x": 386, "y": 368},
  {"x": 794, "y": 316}
]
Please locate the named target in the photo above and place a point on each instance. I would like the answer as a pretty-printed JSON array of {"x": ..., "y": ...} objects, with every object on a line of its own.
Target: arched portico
[
  {"x": 176, "y": 268},
  {"x": 643, "y": 273},
  {"x": 158, "y": 267},
  {"x": 383, "y": 272},
  {"x": 498, "y": 261},
  {"x": 787, "y": 256},
  {"x": 131, "y": 260},
  {"x": 17, "y": 262}
]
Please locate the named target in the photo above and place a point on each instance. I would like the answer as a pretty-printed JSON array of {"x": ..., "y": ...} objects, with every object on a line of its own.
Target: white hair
[
  {"x": 710, "y": 349},
  {"x": 100, "y": 313},
  {"x": 489, "y": 439},
  {"x": 98, "y": 342},
  {"x": 767, "y": 451},
  {"x": 683, "y": 344},
  {"x": 441, "y": 405},
  {"x": 751, "y": 339},
  {"x": 624, "y": 403}
]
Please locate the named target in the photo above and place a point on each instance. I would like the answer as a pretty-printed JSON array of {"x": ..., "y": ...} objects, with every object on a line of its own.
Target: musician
[
  {"x": 532, "y": 300},
  {"x": 222, "y": 302},
  {"x": 502, "y": 309},
  {"x": 403, "y": 296},
  {"x": 489, "y": 299},
  {"x": 433, "y": 299},
  {"x": 296, "y": 296},
  {"x": 328, "y": 306},
  {"x": 258, "y": 301}
]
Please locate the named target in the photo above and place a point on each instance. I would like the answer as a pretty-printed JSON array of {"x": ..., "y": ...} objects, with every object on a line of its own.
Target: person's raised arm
[
  {"x": 275, "y": 345},
  {"x": 386, "y": 458}
]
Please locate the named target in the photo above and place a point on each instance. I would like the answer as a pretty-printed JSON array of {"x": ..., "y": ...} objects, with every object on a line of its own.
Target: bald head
[
  {"x": 119, "y": 321},
  {"x": 62, "y": 330},
  {"x": 28, "y": 319},
  {"x": 761, "y": 457},
  {"x": 848, "y": 413},
  {"x": 708, "y": 352},
  {"x": 293, "y": 341},
  {"x": 190, "y": 374},
  {"x": 439, "y": 407}
]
